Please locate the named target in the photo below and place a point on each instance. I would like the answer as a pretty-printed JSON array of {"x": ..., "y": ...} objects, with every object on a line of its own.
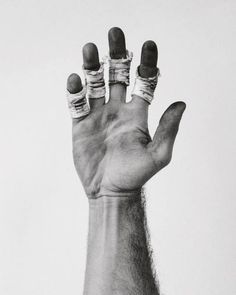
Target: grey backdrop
[{"x": 191, "y": 204}]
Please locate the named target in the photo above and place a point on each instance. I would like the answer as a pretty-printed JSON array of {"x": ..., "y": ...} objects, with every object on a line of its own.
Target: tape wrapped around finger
[
  {"x": 77, "y": 103},
  {"x": 95, "y": 82},
  {"x": 119, "y": 69},
  {"x": 145, "y": 87}
]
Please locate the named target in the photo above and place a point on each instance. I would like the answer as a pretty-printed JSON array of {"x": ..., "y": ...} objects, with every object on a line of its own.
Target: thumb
[{"x": 163, "y": 140}]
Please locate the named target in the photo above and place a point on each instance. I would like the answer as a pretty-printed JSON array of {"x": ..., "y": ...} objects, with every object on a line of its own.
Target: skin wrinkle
[{"x": 95, "y": 179}]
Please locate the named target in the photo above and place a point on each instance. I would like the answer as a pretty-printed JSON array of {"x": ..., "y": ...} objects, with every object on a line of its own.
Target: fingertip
[
  {"x": 117, "y": 46},
  {"x": 180, "y": 106},
  {"x": 173, "y": 114},
  {"x": 115, "y": 32},
  {"x": 90, "y": 57},
  {"x": 74, "y": 84},
  {"x": 149, "y": 55}
]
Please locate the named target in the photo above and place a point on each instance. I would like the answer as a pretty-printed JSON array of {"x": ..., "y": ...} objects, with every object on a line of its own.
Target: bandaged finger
[
  {"x": 77, "y": 104},
  {"x": 119, "y": 69},
  {"x": 145, "y": 87},
  {"x": 95, "y": 82}
]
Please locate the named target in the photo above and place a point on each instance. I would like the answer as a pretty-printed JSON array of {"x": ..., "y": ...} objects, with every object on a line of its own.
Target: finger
[
  {"x": 93, "y": 75},
  {"x": 163, "y": 140},
  {"x": 117, "y": 51},
  {"x": 117, "y": 47},
  {"x": 147, "y": 69},
  {"x": 76, "y": 97},
  {"x": 74, "y": 84},
  {"x": 148, "y": 63}
]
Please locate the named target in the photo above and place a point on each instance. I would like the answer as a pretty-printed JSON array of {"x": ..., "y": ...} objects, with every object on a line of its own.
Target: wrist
[
  {"x": 109, "y": 212},
  {"x": 112, "y": 220},
  {"x": 106, "y": 193},
  {"x": 118, "y": 246},
  {"x": 107, "y": 221}
]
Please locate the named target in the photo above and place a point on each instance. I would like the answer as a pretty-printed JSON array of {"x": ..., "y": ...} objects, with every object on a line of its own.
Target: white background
[{"x": 191, "y": 204}]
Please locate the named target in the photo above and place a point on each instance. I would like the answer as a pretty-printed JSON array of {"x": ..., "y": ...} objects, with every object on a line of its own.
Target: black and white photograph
[{"x": 118, "y": 147}]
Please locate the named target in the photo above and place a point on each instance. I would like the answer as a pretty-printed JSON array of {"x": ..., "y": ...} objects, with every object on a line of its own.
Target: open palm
[{"x": 113, "y": 151}]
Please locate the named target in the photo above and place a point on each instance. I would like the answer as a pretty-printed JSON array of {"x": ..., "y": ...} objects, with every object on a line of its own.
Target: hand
[{"x": 113, "y": 151}]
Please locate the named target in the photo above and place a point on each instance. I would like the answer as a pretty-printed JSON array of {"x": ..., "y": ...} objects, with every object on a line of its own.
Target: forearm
[{"x": 118, "y": 257}]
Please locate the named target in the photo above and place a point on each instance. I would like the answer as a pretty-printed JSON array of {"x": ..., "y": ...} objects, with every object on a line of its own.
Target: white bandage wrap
[
  {"x": 77, "y": 103},
  {"x": 145, "y": 87},
  {"x": 95, "y": 82},
  {"x": 119, "y": 69}
]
